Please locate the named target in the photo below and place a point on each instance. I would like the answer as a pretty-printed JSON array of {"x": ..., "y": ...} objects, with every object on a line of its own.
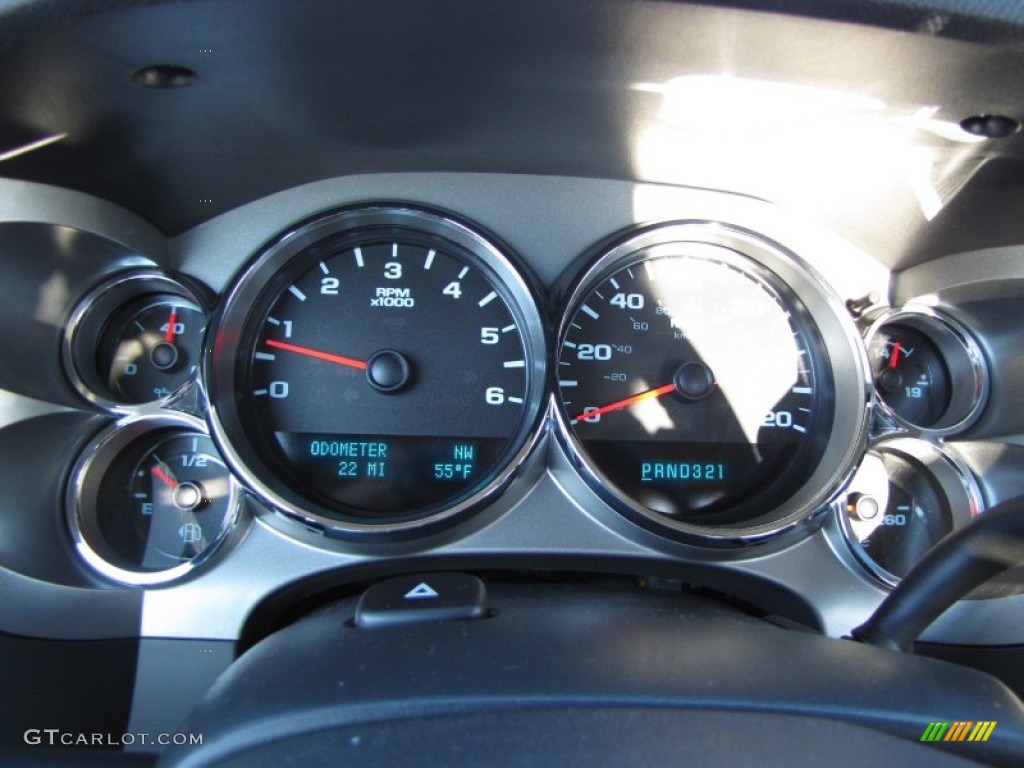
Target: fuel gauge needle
[{"x": 169, "y": 481}]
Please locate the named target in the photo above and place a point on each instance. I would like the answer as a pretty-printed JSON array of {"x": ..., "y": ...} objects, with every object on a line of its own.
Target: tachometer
[
  {"x": 695, "y": 387},
  {"x": 378, "y": 368}
]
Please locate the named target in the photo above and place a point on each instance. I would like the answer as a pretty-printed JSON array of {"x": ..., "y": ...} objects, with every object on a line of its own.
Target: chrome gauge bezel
[
  {"x": 83, "y": 488},
  {"x": 843, "y": 353},
  {"x": 962, "y": 355},
  {"x": 86, "y": 325},
  {"x": 951, "y": 474},
  {"x": 226, "y": 337}
]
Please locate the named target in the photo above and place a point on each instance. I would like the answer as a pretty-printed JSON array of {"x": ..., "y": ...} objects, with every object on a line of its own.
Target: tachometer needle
[
  {"x": 894, "y": 358},
  {"x": 169, "y": 481},
  {"x": 360, "y": 364},
  {"x": 626, "y": 402},
  {"x": 169, "y": 336}
]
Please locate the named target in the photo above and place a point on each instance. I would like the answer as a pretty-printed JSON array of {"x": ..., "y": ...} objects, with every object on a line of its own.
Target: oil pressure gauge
[{"x": 135, "y": 339}]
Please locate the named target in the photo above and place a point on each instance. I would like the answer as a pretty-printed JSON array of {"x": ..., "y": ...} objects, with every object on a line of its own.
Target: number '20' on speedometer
[
  {"x": 694, "y": 386},
  {"x": 389, "y": 369}
]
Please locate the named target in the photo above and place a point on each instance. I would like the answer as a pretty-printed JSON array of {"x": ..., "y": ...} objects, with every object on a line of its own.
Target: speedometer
[
  {"x": 696, "y": 389},
  {"x": 377, "y": 369}
]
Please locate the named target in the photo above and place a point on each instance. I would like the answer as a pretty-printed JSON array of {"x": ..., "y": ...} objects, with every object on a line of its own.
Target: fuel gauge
[{"x": 150, "y": 500}]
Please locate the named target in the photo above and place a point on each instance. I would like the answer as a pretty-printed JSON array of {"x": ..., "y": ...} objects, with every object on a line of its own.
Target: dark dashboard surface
[{"x": 297, "y": 297}]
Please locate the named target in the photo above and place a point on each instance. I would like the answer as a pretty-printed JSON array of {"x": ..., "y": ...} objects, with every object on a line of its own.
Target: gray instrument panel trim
[{"x": 551, "y": 515}]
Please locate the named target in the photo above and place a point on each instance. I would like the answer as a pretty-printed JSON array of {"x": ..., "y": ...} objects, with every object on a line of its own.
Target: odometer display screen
[{"x": 692, "y": 384}]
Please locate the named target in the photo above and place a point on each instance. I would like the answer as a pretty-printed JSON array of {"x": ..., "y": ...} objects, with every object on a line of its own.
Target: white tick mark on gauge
[
  {"x": 515, "y": 363},
  {"x": 598, "y": 294},
  {"x": 324, "y": 269},
  {"x": 614, "y": 283},
  {"x": 273, "y": 320},
  {"x": 568, "y": 383},
  {"x": 430, "y": 259},
  {"x": 588, "y": 311},
  {"x": 463, "y": 272},
  {"x": 569, "y": 344},
  {"x": 798, "y": 428},
  {"x": 508, "y": 328},
  {"x": 297, "y": 293},
  {"x": 264, "y": 356},
  {"x": 801, "y": 390},
  {"x": 487, "y": 299},
  {"x": 516, "y": 400},
  {"x": 358, "y": 253},
  {"x": 259, "y": 392},
  {"x": 394, "y": 251}
]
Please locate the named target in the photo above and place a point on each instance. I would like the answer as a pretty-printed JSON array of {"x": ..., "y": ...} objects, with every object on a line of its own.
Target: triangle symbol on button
[{"x": 421, "y": 591}]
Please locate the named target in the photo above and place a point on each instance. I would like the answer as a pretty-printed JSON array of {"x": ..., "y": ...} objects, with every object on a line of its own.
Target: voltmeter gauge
[
  {"x": 149, "y": 502},
  {"x": 906, "y": 496},
  {"x": 135, "y": 339},
  {"x": 929, "y": 373}
]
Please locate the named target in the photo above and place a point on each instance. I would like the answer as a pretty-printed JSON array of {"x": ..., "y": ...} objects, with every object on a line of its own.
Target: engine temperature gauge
[
  {"x": 906, "y": 496},
  {"x": 149, "y": 502}
]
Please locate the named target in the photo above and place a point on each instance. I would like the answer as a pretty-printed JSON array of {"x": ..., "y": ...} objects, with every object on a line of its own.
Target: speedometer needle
[
  {"x": 589, "y": 414},
  {"x": 316, "y": 353}
]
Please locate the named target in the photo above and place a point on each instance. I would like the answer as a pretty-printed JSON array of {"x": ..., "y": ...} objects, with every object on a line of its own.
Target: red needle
[
  {"x": 360, "y": 364},
  {"x": 167, "y": 479},
  {"x": 894, "y": 358},
  {"x": 169, "y": 336},
  {"x": 627, "y": 402}
]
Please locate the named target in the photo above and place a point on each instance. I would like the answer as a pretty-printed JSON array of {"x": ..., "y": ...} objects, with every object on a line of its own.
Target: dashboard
[{"x": 708, "y": 301}]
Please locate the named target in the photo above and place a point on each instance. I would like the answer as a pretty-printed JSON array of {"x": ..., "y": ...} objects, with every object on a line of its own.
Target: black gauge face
[
  {"x": 384, "y": 375},
  {"x": 694, "y": 386},
  {"x": 150, "y": 349},
  {"x": 910, "y": 374},
  {"x": 164, "y": 500},
  {"x": 905, "y": 497},
  {"x": 914, "y": 517}
]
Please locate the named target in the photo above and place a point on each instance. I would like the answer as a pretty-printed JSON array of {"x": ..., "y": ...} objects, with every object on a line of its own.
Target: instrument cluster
[{"x": 382, "y": 372}]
